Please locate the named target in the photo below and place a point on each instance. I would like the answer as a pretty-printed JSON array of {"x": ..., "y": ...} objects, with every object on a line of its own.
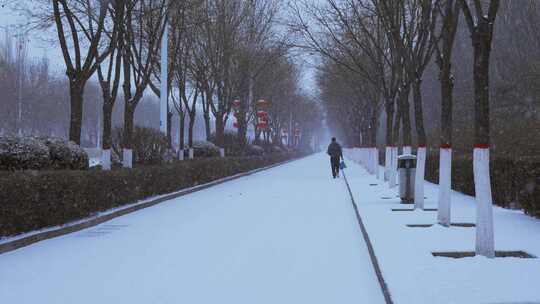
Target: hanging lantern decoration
[
  {"x": 262, "y": 114},
  {"x": 262, "y": 120}
]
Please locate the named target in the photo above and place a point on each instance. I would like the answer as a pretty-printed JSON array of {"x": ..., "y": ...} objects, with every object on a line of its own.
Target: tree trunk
[
  {"x": 129, "y": 115},
  {"x": 482, "y": 50},
  {"x": 406, "y": 118},
  {"x": 419, "y": 113},
  {"x": 190, "y": 129},
  {"x": 106, "y": 136},
  {"x": 445, "y": 150},
  {"x": 421, "y": 150},
  {"x": 481, "y": 39},
  {"x": 394, "y": 148},
  {"x": 220, "y": 130},
  {"x": 397, "y": 125},
  {"x": 169, "y": 129},
  {"x": 76, "y": 92},
  {"x": 181, "y": 131},
  {"x": 107, "y": 125},
  {"x": 207, "y": 126},
  {"x": 127, "y": 149},
  {"x": 389, "y": 109}
]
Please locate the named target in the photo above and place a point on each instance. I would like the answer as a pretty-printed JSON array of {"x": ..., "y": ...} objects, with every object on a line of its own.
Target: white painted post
[
  {"x": 419, "y": 178},
  {"x": 407, "y": 150},
  {"x": 106, "y": 159},
  {"x": 376, "y": 162},
  {"x": 445, "y": 186},
  {"x": 387, "y": 153},
  {"x": 393, "y": 167},
  {"x": 221, "y": 152},
  {"x": 191, "y": 153},
  {"x": 180, "y": 154},
  {"x": 127, "y": 159},
  {"x": 485, "y": 243}
]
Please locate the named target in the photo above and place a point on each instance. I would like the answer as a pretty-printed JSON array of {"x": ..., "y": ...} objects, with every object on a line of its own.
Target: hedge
[
  {"x": 514, "y": 183},
  {"x": 31, "y": 200}
]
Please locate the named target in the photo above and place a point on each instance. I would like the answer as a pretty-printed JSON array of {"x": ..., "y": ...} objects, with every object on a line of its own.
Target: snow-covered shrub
[
  {"x": 277, "y": 149},
  {"x": 41, "y": 153},
  {"x": 203, "y": 148},
  {"x": 23, "y": 153},
  {"x": 254, "y": 150},
  {"x": 65, "y": 154}
]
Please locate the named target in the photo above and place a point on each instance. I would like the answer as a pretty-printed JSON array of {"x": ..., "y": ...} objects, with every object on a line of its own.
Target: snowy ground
[
  {"x": 414, "y": 276},
  {"x": 287, "y": 235}
]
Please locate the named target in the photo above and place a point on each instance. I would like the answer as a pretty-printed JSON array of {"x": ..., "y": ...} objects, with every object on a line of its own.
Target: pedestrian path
[
  {"x": 286, "y": 235},
  {"x": 404, "y": 243}
]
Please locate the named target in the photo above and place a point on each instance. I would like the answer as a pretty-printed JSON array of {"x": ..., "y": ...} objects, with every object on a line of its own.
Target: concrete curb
[
  {"x": 373, "y": 257},
  {"x": 94, "y": 221}
]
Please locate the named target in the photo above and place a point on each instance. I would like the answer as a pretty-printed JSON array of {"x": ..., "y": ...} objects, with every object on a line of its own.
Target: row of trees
[
  {"x": 375, "y": 56},
  {"x": 218, "y": 51}
]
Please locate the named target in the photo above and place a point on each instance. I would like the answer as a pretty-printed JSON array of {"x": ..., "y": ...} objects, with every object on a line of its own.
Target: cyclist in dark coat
[{"x": 334, "y": 150}]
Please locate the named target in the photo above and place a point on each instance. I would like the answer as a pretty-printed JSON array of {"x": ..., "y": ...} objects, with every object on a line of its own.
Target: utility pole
[{"x": 164, "y": 96}]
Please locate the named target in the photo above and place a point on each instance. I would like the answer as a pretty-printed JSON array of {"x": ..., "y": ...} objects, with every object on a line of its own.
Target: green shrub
[
  {"x": 31, "y": 200},
  {"x": 203, "y": 149},
  {"x": 150, "y": 146}
]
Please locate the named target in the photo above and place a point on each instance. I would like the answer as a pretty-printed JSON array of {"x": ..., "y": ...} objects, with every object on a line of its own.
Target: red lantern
[{"x": 262, "y": 114}]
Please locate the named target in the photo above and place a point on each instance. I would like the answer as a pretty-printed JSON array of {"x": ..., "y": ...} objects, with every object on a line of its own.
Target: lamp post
[{"x": 164, "y": 95}]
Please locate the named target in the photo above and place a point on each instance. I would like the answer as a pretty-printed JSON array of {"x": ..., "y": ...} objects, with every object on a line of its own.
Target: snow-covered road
[{"x": 286, "y": 235}]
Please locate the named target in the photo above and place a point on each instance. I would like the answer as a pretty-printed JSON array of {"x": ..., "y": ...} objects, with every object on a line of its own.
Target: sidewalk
[{"x": 414, "y": 276}]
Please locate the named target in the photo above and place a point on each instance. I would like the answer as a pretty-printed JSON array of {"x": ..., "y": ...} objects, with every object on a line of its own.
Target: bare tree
[
  {"x": 144, "y": 25},
  {"x": 109, "y": 76},
  {"x": 449, "y": 11},
  {"x": 79, "y": 24},
  {"x": 481, "y": 27}
]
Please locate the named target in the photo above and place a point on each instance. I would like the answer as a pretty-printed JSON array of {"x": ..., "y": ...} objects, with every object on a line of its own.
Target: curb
[
  {"x": 94, "y": 221},
  {"x": 373, "y": 257}
]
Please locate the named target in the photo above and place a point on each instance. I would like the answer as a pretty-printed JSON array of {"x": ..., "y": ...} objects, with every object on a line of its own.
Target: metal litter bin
[{"x": 407, "y": 172}]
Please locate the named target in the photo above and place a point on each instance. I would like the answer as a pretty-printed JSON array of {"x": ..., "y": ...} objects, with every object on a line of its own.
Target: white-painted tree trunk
[
  {"x": 407, "y": 150},
  {"x": 419, "y": 178},
  {"x": 181, "y": 154},
  {"x": 106, "y": 159},
  {"x": 387, "y": 154},
  {"x": 485, "y": 242},
  {"x": 444, "y": 214},
  {"x": 191, "y": 153},
  {"x": 369, "y": 156},
  {"x": 127, "y": 159},
  {"x": 393, "y": 169},
  {"x": 221, "y": 152}
]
